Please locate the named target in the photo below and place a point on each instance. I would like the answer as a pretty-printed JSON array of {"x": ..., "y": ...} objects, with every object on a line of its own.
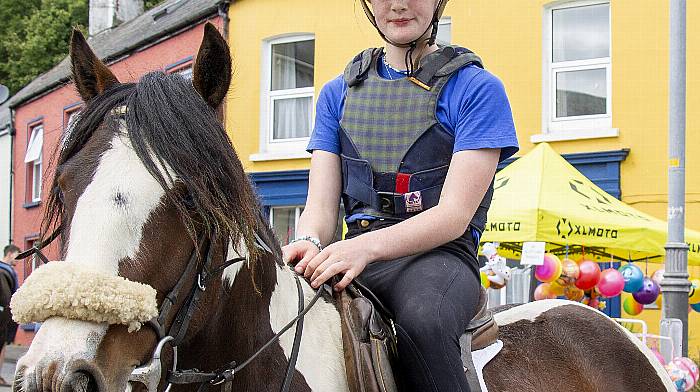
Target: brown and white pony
[{"x": 148, "y": 170}]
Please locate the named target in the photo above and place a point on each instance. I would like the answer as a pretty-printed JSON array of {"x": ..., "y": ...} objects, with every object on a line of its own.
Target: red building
[{"x": 166, "y": 37}]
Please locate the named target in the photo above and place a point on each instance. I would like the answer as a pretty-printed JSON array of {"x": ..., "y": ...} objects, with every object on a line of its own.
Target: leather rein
[{"x": 150, "y": 374}]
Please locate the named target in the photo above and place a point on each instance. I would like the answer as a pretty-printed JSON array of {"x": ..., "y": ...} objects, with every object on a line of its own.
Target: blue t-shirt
[{"x": 472, "y": 106}]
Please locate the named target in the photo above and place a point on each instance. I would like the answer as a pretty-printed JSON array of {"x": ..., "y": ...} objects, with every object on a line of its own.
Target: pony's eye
[
  {"x": 188, "y": 201},
  {"x": 59, "y": 194}
]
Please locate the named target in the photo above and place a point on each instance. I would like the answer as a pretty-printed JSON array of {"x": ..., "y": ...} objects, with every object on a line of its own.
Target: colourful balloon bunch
[
  {"x": 585, "y": 282},
  {"x": 650, "y": 290}
]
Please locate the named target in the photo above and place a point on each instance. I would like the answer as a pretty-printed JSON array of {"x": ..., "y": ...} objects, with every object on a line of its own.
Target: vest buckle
[{"x": 386, "y": 202}]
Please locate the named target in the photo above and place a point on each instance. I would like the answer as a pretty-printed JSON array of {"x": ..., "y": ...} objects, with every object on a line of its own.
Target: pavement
[{"x": 12, "y": 353}]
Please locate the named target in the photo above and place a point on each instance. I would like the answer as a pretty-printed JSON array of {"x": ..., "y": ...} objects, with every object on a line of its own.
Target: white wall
[{"x": 5, "y": 195}]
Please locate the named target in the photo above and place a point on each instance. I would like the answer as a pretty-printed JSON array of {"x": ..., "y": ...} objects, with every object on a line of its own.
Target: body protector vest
[{"x": 394, "y": 152}]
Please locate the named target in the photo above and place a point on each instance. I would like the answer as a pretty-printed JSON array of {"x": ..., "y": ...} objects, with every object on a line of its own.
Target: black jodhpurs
[{"x": 433, "y": 296}]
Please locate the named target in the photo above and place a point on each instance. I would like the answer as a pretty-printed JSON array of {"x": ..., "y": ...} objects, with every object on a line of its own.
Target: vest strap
[
  {"x": 356, "y": 72},
  {"x": 426, "y": 73}
]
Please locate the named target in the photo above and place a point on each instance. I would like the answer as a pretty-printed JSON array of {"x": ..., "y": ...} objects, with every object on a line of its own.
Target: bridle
[{"x": 151, "y": 373}]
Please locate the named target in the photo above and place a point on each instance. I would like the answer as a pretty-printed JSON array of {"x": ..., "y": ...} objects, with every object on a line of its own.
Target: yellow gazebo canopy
[{"x": 541, "y": 197}]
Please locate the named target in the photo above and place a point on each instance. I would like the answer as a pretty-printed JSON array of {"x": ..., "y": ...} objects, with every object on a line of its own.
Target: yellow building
[{"x": 588, "y": 76}]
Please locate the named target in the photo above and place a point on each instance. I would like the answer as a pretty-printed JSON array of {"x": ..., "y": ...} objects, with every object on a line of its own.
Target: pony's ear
[
  {"x": 211, "y": 75},
  {"x": 92, "y": 77}
]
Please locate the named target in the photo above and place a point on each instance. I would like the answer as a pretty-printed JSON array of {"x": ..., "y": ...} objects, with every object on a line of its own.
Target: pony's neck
[{"x": 250, "y": 306}]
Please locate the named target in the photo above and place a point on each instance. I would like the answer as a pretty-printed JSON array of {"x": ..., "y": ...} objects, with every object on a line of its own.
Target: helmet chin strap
[{"x": 413, "y": 44}]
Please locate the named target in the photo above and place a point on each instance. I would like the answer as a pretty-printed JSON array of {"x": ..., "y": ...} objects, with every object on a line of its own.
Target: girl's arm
[{"x": 468, "y": 178}]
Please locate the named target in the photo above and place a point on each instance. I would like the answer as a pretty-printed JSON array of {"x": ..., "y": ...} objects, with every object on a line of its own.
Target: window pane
[
  {"x": 581, "y": 93},
  {"x": 292, "y": 117},
  {"x": 581, "y": 33},
  {"x": 292, "y": 65},
  {"x": 36, "y": 180},
  {"x": 35, "y": 145},
  {"x": 284, "y": 223},
  {"x": 186, "y": 73}
]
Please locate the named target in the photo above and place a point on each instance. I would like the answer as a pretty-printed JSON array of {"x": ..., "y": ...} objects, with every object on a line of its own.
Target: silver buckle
[{"x": 150, "y": 373}]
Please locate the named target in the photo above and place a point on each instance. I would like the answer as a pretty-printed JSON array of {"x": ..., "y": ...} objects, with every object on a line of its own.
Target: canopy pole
[{"x": 675, "y": 284}]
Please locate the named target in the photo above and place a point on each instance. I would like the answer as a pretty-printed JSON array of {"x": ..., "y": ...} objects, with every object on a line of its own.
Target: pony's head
[{"x": 145, "y": 181}]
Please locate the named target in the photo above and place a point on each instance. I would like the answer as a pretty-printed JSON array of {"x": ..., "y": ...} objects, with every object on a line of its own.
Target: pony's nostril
[{"x": 80, "y": 381}]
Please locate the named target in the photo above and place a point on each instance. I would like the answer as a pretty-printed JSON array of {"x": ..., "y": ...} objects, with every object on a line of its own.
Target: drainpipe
[
  {"x": 223, "y": 13},
  {"x": 12, "y": 168}
]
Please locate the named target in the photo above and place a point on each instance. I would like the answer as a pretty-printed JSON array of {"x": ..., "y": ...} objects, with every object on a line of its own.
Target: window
[
  {"x": 70, "y": 118},
  {"x": 577, "y": 67},
  {"x": 181, "y": 67},
  {"x": 33, "y": 160},
  {"x": 284, "y": 222},
  {"x": 31, "y": 263},
  {"x": 288, "y": 91},
  {"x": 444, "y": 36},
  {"x": 185, "y": 72}
]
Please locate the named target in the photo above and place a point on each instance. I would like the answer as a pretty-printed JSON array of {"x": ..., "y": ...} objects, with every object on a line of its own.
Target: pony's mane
[{"x": 171, "y": 126}]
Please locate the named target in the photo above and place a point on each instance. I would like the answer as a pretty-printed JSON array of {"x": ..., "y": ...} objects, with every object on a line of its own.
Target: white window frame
[
  {"x": 271, "y": 149},
  {"x": 572, "y": 127},
  {"x": 36, "y": 165}
]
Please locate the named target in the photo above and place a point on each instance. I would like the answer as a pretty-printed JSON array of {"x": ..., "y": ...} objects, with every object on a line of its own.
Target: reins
[
  {"x": 150, "y": 374},
  {"x": 223, "y": 376}
]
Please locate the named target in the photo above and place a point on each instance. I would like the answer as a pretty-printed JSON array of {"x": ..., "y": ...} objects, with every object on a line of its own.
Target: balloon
[
  {"x": 687, "y": 364},
  {"x": 632, "y": 307},
  {"x": 550, "y": 270},
  {"x": 557, "y": 287},
  {"x": 695, "y": 307},
  {"x": 633, "y": 276},
  {"x": 484, "y": 279},
  {"x": 573, "y": 293},
  {"x": 544, "y": 291},
  {"x": 648, "y": 293},
  {"x": 658, "y": 275},
  {"x": 569, "y": 269},
  {"x": 660, "y": 301},
  {"x": 694, "y": 293},
  {"x": 589, "y": 275},
  {"x": 678, "y": 375},
  {"x": 658, "y": 356},
  {"x": 611, "y": 283}
]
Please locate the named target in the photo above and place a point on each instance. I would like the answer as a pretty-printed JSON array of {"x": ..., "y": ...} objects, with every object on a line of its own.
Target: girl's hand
[
  {"x": 301, "y": 251},
  {"x": 343, "y": 257}
]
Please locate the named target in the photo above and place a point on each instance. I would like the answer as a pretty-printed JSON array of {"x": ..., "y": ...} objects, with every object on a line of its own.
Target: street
[{"x": 8, "y": 368}]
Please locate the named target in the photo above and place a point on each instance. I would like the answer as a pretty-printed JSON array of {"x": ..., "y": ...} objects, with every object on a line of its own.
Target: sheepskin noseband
[{"x": 76, "y": 291}]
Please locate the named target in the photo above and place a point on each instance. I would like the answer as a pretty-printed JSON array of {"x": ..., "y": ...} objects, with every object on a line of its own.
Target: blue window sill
[{"x": 32, "y": 204}]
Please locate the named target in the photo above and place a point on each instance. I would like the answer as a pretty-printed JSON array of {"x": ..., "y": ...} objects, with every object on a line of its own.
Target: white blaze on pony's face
[
  {"x": 107, "y": 225},
  {"x": 106, "y": 229}
]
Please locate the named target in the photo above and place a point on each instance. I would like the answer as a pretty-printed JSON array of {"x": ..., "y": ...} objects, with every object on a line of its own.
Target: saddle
[{"x": 369, "y": 340}]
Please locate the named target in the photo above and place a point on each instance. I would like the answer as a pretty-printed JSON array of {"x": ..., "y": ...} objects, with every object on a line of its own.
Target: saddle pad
[{"x": 484, "y": 356}]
